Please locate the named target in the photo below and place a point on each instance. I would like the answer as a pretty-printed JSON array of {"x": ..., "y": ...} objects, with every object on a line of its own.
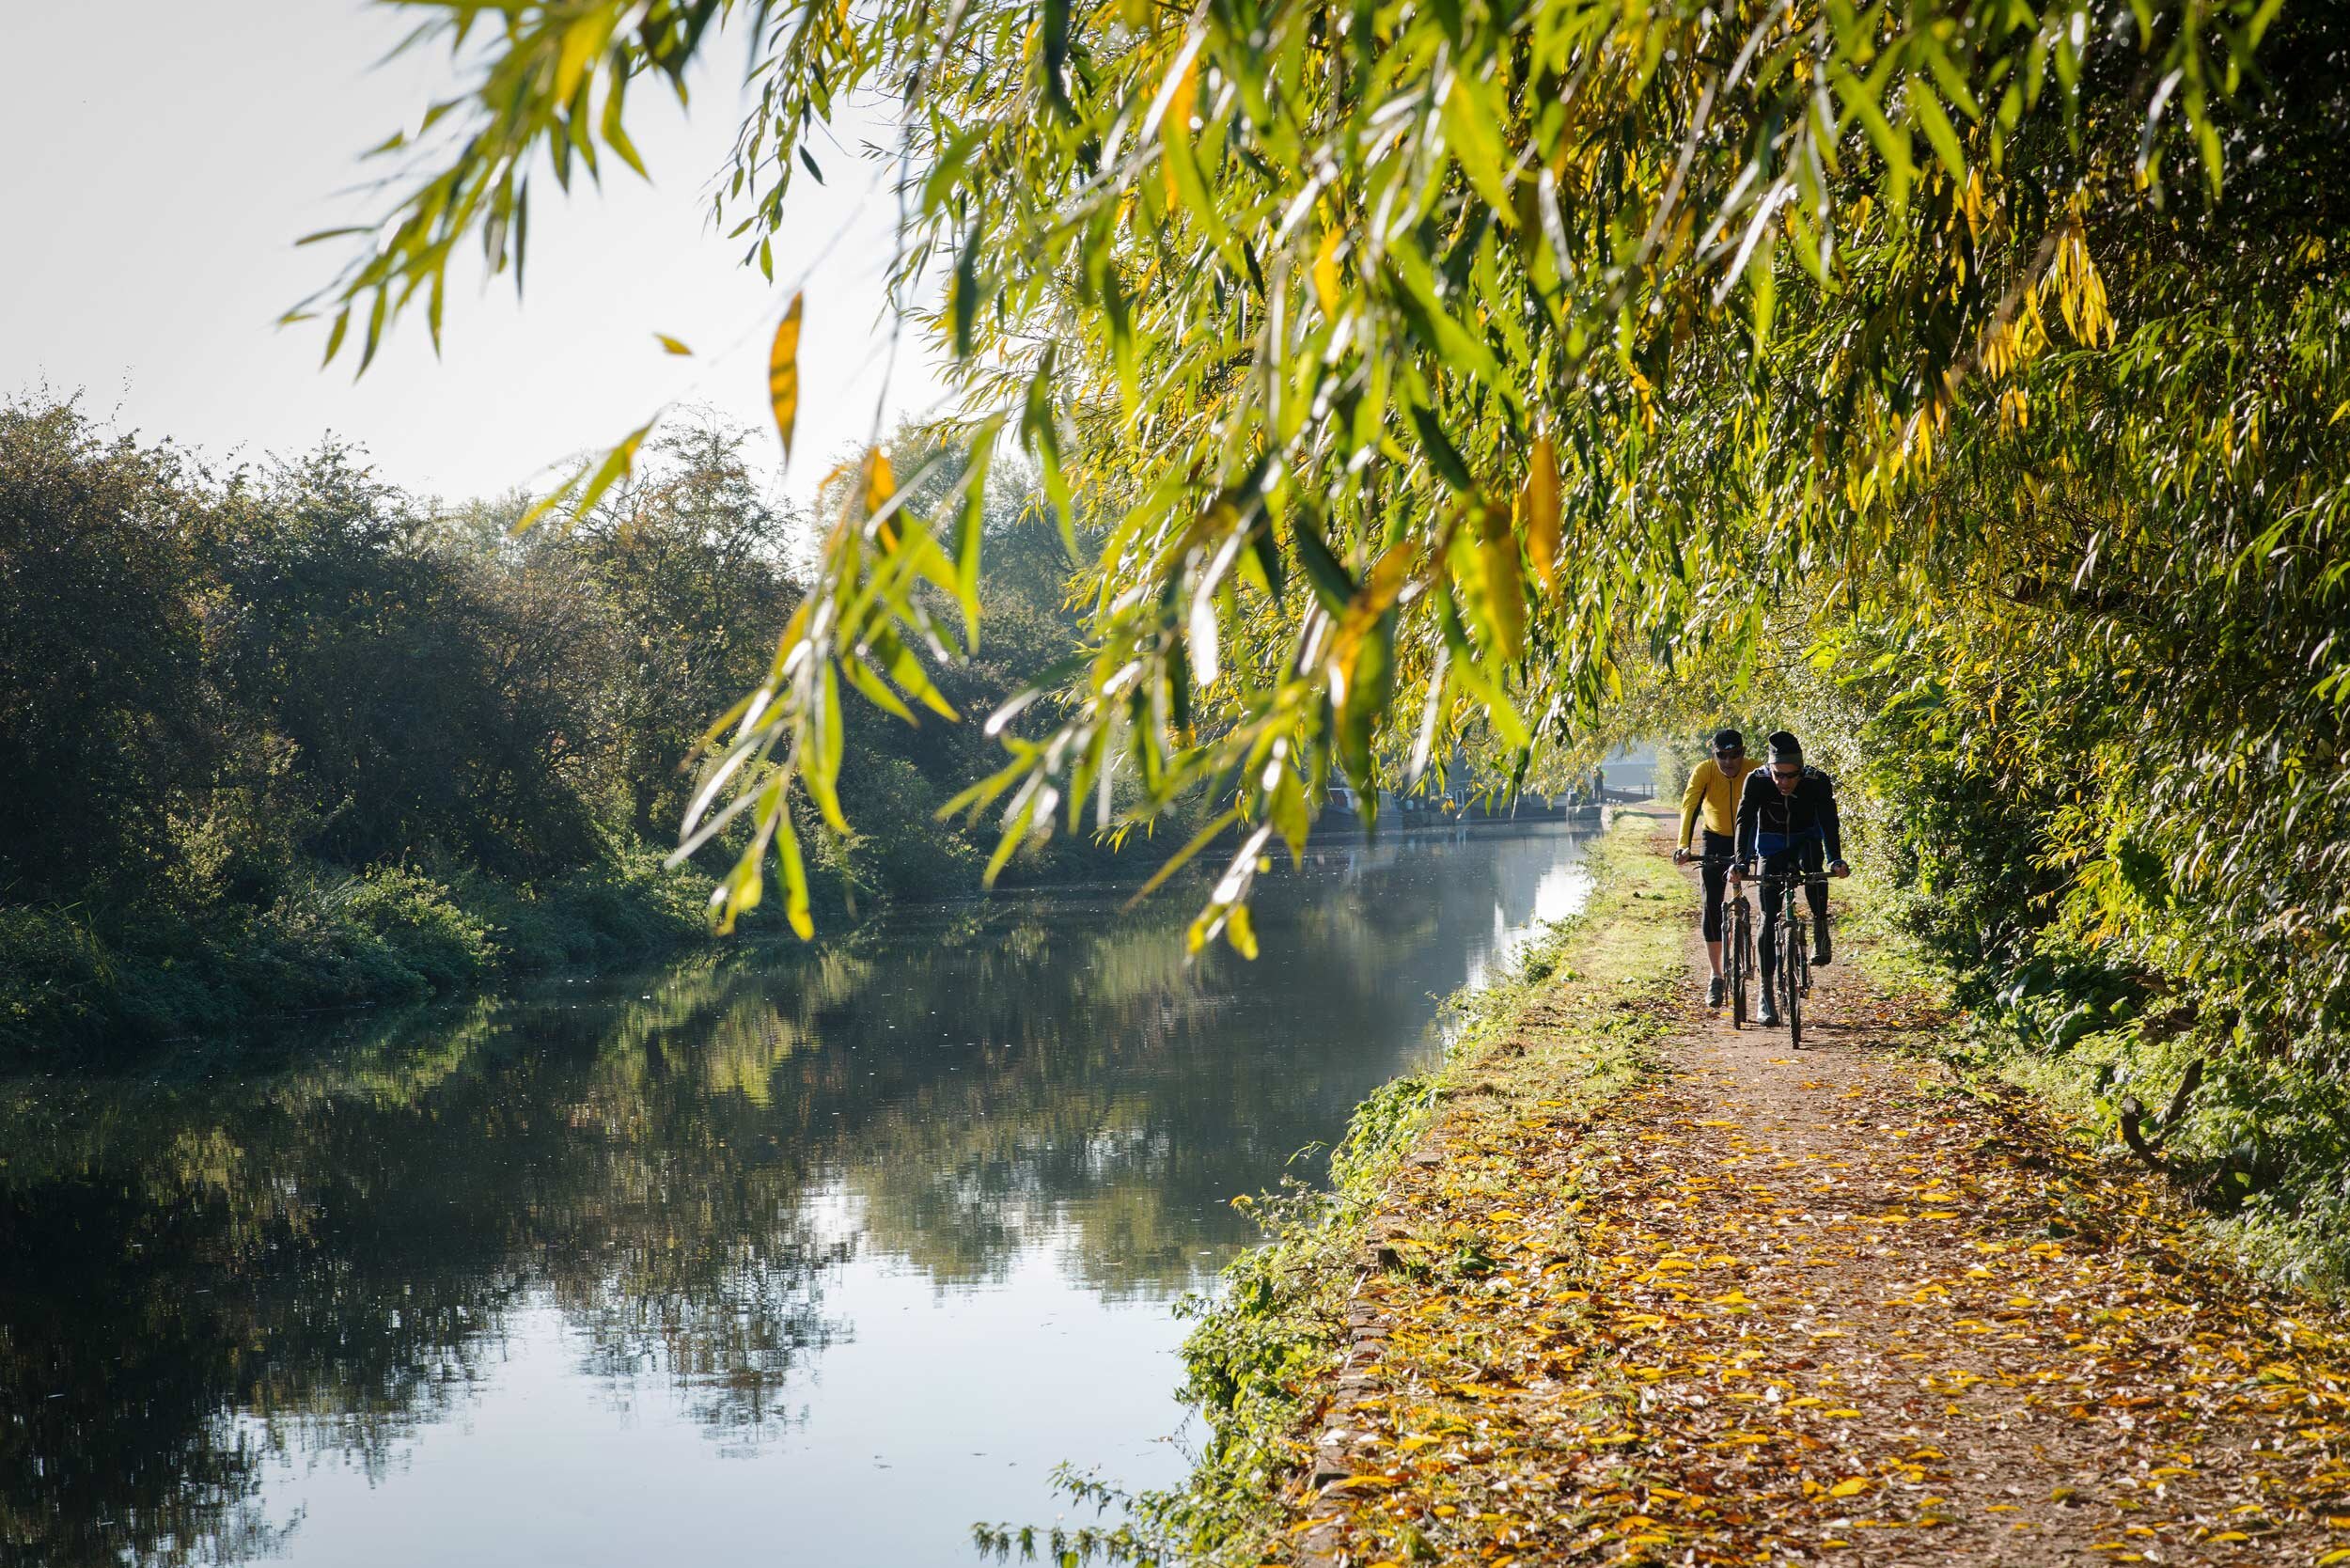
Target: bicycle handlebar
[
  {"x": 1795, "y": 879},
  {"x": 1732, "y": 860}
]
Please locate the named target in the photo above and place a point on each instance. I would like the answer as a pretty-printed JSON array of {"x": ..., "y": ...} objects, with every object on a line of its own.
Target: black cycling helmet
[
  {"x": 1785, "y": 747},
  {"x": 1728, "y": 739}
]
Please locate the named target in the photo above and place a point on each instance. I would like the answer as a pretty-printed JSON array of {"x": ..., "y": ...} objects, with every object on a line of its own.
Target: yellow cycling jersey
[{"x": 1715, "y": 793}]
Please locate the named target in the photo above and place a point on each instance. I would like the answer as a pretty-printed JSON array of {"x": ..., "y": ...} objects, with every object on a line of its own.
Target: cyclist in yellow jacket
[{"x": 1713, "y": 794}]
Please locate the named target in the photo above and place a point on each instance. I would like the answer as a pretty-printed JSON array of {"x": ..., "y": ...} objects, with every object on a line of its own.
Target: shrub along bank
[
  {"x": 326, "y": 939},
  {"x": 290, "y": 738},
  {"x": 2128, "y": 883}
]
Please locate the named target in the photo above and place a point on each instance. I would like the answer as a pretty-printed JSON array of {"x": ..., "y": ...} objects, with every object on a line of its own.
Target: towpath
[{"x": 1828, "y": 1306}]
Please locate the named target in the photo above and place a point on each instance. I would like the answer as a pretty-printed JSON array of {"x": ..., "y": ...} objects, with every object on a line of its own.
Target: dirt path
[{"x": 1849, "y": 1312}]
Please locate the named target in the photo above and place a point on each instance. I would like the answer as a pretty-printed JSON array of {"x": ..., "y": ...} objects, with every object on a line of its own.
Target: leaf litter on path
[{"x": 1815, "y": 1306}]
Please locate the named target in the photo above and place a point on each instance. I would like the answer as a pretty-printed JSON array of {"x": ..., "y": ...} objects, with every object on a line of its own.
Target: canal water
[{"x": 771, "y": 1257}]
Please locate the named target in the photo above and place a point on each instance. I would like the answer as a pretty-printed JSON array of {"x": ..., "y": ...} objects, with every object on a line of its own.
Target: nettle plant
[{"x": 1393, "y": 368}]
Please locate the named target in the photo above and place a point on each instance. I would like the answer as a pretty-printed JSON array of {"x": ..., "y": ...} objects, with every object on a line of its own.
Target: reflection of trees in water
[
  {"x": 324, "y": 1257},
  {"x": 153, "y": 1354},
  {"x": 194, "y": 1281}
]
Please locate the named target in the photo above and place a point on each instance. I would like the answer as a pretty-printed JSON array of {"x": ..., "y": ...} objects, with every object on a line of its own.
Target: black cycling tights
[{"x": 1808, "y": 859}]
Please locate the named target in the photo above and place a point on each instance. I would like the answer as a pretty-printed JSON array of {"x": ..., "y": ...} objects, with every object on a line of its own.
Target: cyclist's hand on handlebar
[
  {"x": 1681, "y": 855},
  {"x": 1837, "y": 867}
]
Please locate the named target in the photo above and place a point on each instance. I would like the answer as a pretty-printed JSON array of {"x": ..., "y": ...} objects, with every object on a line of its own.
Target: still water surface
[{"x": 772, "y": 1257}]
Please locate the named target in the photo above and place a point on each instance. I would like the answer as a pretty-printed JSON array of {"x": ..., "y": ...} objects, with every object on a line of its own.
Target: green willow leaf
[
  {"x": 1382, "y": 262},
  {"x": 1333, "y": 584},
  {"x": 1441, "y": 452},
  {"x": 1928, "y": 111}
]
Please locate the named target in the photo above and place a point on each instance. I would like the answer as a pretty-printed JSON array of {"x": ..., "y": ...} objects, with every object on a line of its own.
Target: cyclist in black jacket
[{"x": 1787, "y": 820}]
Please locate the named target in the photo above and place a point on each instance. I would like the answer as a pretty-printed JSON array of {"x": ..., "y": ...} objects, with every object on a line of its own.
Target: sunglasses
[
  {"x": 1787, "y": 773},
  {"x": 1730, "y": 751}
]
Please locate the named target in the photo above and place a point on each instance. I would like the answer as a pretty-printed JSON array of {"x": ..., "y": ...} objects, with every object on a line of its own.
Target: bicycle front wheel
[{"x": 1792, "y": 981}]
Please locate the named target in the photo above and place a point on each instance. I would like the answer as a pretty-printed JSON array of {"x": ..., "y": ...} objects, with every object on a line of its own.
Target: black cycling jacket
[{"x": 1771, "y": 823}]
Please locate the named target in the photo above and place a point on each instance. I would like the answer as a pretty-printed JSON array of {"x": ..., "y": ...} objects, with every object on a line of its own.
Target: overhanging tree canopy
[{"x": 1397, "y": 367}]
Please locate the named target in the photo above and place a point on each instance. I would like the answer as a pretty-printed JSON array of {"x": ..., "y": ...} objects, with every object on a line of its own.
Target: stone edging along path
[{"x": 1820, "y": 1307}]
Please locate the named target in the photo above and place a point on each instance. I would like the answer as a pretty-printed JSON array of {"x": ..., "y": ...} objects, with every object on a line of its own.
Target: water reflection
[{"x": 238, "y": 1302}]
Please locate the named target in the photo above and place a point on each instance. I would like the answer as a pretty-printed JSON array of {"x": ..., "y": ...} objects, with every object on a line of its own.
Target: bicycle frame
[
  {"x": 1792, "y": 979},
  {"x": 1738, "y": 956}
]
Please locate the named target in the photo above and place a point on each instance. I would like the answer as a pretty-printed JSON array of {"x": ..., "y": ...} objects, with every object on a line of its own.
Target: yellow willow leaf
[
  {"x": 783, "y": 373},
  {"x": 1540, "y": 501},
  {"x": 795, "y": 908},
  {"x": 1241, "y": 932},
  {"x": 580, "y": 41},
  {"x": 1180, "y": 96},
  {"x": 1383, "y": 585},
  {"x": 1505, "y": 604},
  {"x": 1326, "y": 280},
  {"x": 1852, "y": 1487},
  {"x": 880, "y": 482},
  {"x": 671, "y": 345}
]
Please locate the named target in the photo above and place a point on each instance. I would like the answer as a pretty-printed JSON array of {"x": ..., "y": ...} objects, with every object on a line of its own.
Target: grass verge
[{"x": 1572, "y": 1023}]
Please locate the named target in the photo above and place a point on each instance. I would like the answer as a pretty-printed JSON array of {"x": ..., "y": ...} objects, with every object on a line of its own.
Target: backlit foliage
[{"x": 1394, "y": 369}]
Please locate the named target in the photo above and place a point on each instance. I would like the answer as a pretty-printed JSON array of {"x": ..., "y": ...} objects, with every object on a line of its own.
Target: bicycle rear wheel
[{"x": 1741, "y": 959}]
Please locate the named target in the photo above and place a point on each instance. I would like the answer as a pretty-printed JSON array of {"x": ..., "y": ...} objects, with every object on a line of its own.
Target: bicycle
[
  {"x": 1738, "y": 957},
  {"x": 1793, "y": 980}
]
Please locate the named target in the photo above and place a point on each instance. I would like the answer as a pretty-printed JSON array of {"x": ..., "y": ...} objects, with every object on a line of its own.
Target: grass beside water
[{"x": 1572, "y": 1023}]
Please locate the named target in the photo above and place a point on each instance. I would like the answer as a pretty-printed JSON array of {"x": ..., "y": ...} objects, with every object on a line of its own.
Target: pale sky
[{"x": 164, "y": 155}]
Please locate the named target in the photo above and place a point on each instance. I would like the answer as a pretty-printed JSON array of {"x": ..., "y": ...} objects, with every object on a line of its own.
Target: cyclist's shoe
[
  {"x": 1768, "y": 1017},
  {"x": 1715, "y": 990},
  {"x": 1819, "y": 944}
]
